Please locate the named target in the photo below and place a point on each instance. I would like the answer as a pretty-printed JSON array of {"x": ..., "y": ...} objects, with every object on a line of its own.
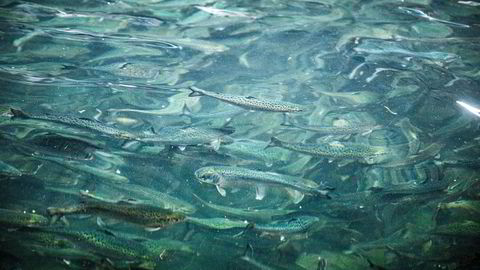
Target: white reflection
[{"x": 469, "y": 107}]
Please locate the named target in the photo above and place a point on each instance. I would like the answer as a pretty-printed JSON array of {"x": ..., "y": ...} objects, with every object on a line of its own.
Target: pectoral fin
[
  {"x": 221, "y": 190},
  {"x": 215, "y": 144},
  {"x": 296, "y": 195},
  {"x": 260, "y": 192}
]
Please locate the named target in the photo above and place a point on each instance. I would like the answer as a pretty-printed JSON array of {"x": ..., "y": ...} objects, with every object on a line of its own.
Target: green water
[{"x": 382, "y": 100}]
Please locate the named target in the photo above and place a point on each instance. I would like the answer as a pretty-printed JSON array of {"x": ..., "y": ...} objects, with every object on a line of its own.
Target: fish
[
  {"x": 8, "y": 170},
  {"x": 335, "y": 149},
  {"x": 250, "y": 213},
  {"x": 299, "y": 224},
  {"x": 83, "y": 123},
  {"x": 103, "y": 242},
  {"x": 467, "y": 228},
  {"x": 228, "y": 176},
  {"x": 63, "y": 146},
  {"x": 183, "y": 136},
  {"x": 252, "y": 150},
  {"x": 12, "y": 219},
  {"x": 217, "y": 223},
  {"x": 249, "y": 102},
  {"x": 150, "y": 217},
  {"x": 334, "y": 130}
]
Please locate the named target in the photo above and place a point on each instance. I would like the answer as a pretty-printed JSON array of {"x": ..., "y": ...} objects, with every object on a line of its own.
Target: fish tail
[
  {"x": 196, "y": 92},
  {"x": 273, "y": 142},
  {"x": 286, "y": 121},
  {"x": 18, "y": 113}
]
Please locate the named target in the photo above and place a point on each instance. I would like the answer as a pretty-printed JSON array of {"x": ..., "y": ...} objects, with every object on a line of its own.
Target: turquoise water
[{"x": 108, "y": 161}]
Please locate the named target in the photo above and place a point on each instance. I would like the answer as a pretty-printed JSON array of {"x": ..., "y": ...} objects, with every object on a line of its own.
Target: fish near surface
[
  {"x": 84, "y": 123},
  {"x": 363, "y": 152},
  {"x": 227, "y": 176},
  {"x": 148, "y": 216},
  {"x": 249, "y": 102}
]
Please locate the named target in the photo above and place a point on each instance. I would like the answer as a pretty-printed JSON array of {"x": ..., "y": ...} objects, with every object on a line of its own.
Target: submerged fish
[
  {"x": 183, "y": 136},
  {"x": 294, "y": 225},
  {"x": 15, "y": 219},
  {"x": 9, "y": 170},
  {"x": 334, "y": 130},
  {"x": 257, "y": 214},
  {"x": 335, "y": 149},
  {"x": 466, "y": 228},
  {"x": 226, "y": 176},
  {"x": 84, "y": 123},
  {"x": 218, "y": 223},
  {"x": 249, "y": 102},
  {"x": 104, "y": 243},
  {"x": 148, "y": 216}
]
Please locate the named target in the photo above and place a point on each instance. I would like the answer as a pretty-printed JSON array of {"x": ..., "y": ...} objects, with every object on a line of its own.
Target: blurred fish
[
  {"x": 472, "y": 206},
  {"x": 252, "y": 150},
  {"x": 84, "y": 123},
  {"x": 466, "y": 228},
  {"x": 333, "y": 130},
  {"x": 421, "y": 14},
  {"x": 299, "y": 224},
  {"x": 9, "y": 170},
  {"x": 158, "y": 247},
  {"x": 183, "y": 136},
  {"x": 12, "y": 219},
  {"x": 104, "y": 243},
  {"x": 250, "y": 213},
  {"x": 227, "y": 176},
  {"x": 335, "y": 149},
  {"x": 225, "y": 13},
  {"x": 63, "y": 146},
  {"x": 353, "y": 98},
  {"x": 217, "y": 223},
  {"x": 151, "y": 217},
  {"x": 249, "y": 102}
]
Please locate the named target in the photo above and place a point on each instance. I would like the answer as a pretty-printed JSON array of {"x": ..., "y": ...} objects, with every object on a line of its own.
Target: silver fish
[
  {"x": 335, "y": 149},
  {"x": 84, "y": 123},
  {"x": 226, "y": 176},
  {"x": 183, "y": 136},
  {"x": 249, "y": 102},
  {"x": 294, "y": 225},
  {"x": 333, "y": 130}
]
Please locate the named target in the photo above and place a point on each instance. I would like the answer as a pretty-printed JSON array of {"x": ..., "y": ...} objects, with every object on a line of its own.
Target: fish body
[
  {"x": 256, "y": 214},
  {"x": 466, "y": 228},
  {"x": 218, "y": 223},
  {"x": 335, "y": 130},
  {"x": 227, "y": 176},
  {"x": 104, "y": 243},
  {"x": 84, "y": 123},
  {"x": 254, "y": 150},
  {"x": 9, "y": 170},
  {"x": 249, "y": 102},
  {"x": 183, "y": 136},
  {"x": 151, "y": 217},
  {"x": 298, "y": 224},
  {"x": 334, "y": 149},
  {"x": 15, "y": 219}
]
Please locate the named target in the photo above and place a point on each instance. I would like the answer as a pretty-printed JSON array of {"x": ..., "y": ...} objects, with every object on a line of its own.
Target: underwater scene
[{"x": 249, "y": 134}]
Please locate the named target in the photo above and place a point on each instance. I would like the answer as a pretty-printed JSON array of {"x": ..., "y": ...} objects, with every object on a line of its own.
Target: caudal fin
[
  {"x": 286, "y": 121},
  {"x": 196, "y": 92},
  {"x": 273, "y": 142},
  {"x": 18, "y": 113}
]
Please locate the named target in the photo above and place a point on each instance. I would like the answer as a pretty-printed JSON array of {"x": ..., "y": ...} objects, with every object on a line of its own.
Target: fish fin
[
  {"x": 54, "y": 219},
  {"x": 88, "y": 119},
  {"x": 196, "y": 92},
  {"x": 260, "y": 191},
  {"x": 100, "y": 222},
  {"x": 221, "y": 190},
  {"x": 273, "y": 142},
  {"x": 235, "y": 190},
  {"x": 18, "y": 113},
  {"x": 250, "y": 97},
  {"x": 286, "y": 121},
  {"x": 182, "y": 147},
  {"x": 296, "y": 195},
  {"x": 107, "y": 232},
  {"x": 64, "y": 221},
  {"x": 130, "y": 201},
  {"x": 215, "y": 144},
  {"x": 152, "y": 229}
]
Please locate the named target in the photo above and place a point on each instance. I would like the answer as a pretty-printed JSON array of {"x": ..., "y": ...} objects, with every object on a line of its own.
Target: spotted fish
[
  {"x": 249, "y": 102},
  {"x": 335, "y": 149},
  {"x": 227, "y": 176},
  {"x": 84, "y": 123}
]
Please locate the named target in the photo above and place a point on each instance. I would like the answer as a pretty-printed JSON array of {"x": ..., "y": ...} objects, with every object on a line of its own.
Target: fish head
[{"x": 208, "y": 175}]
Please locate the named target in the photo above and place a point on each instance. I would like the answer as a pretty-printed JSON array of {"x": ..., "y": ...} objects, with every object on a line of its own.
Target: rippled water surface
[{"x": 109, "y": 159}]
